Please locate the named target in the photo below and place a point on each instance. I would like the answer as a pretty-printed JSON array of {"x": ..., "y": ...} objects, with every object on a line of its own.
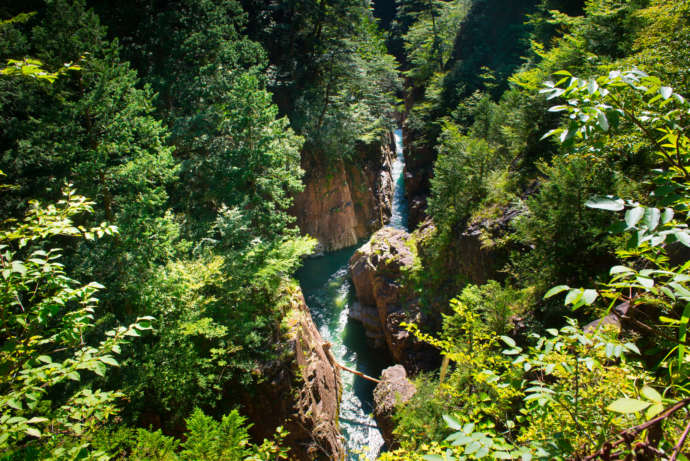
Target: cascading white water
[
  {"x": 399, "y": 209},
  {"x": 329, "y": 292}
]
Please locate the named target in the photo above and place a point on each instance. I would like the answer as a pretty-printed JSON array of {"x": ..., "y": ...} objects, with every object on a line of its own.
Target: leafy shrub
[{"x": 45, "y": 404}]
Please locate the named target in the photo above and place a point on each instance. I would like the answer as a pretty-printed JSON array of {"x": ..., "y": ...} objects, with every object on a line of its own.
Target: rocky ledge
[
  {"x": 302, "y": 391},
  {"x": 384, "y": 301}
]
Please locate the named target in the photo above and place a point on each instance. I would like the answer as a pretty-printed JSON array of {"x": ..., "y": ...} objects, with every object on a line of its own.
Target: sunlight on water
[{"x": 329, "y": 292}]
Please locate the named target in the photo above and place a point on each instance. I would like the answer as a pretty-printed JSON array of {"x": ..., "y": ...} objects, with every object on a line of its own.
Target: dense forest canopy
[{"x": 151, "y": 154}]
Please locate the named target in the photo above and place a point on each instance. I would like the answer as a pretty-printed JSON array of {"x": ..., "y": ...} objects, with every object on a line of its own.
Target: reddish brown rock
[
  {"x": 377, "y": 274},
  {"x": 343, "y": 202},
  {"x": 302, "y": 391}
]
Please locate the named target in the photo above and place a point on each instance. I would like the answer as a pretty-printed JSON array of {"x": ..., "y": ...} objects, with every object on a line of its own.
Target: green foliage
[
  {"x": 45, "y": 318},
  {"x": 429, "y": 39},
  {"x": 205, "y": 241},
  {"x": 333, "y": 76},
  {"x": 579, "y": 393},
  {"x": 460, "y": 176},
  {"x": 94, "y": 127},
  {"x": 548, "y": 401},
  {"x": 208, "y": 439},
  {"x": 566, "y": 238},
  {"x": 34, "y": 68}
]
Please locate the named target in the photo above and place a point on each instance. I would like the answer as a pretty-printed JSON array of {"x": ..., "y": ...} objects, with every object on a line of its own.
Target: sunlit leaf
[{"x": 627, "y": 406}]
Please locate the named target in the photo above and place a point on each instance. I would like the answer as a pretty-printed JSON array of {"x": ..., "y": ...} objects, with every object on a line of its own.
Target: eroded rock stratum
[{"x": 345, "y": 201}]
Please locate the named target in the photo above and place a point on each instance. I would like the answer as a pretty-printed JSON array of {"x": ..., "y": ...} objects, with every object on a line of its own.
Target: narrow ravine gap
[
  {"x": 399, "y": 209},
  {"x": 329, "y": 294}
]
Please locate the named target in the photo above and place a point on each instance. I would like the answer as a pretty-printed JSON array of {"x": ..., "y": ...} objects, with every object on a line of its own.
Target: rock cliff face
[
  {"x": 302, "y": 392},
  {"x": 377, "y": 271},
  {"x": 343, "y": 202},
  {"x": 393, "y": 390}
]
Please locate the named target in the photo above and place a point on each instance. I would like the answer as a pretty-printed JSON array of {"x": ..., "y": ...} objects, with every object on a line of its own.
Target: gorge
[
  {"x": 329, "y": 295},
  {"x": 344, "y": 230}
]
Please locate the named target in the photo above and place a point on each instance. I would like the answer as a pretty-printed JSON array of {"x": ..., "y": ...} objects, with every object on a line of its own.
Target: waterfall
[{"x": 399, "y": 207}]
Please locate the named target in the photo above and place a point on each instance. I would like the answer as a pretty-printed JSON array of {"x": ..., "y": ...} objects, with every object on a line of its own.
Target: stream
[{"x": 329, "y": 292}]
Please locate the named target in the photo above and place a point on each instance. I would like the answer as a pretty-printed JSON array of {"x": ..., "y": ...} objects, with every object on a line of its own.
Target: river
[{"x": 328, "y": 291}]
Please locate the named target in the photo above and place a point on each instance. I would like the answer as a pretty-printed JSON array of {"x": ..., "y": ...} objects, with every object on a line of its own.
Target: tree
[{"x": 95, "y": 128}]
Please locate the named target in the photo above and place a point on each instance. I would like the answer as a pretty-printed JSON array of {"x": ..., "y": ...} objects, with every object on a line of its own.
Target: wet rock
[
  {"x": 393, "y": 390},
  {"x": 368, "y": 316},
  {"x": 301, "y": 391},
  {"x": 343, "y": 202}
]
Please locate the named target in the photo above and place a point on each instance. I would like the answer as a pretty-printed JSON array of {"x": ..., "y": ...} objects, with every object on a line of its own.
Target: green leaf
[
  {"x": 654, "y": 410},
  {"x": 574, "y": 296},
  {"x": 110, "y": 361},
  {"x": 633, "y": 216},
  {"x": 433, "y": 458},
  {"x": 557, "y": 108},
  {"x": 550, "y": 133},
  {"x": 645, "y": 282},
  {"x": 683, "y": 333},
  {"x": 603, "y": 121},
  {"x": 589, "y": 296},
  {"x": 627, "y": 406},
  {"x": 452, "y": 422},
  {"x": 665, "y": 92},
  {"x": 555, "y": 290},
  {"x": 99, "y": 369},
  {"x": 620, "y": 270},
  {"x": 472, "y": 447},
  {"x": 483, "y": 451},
  {"x": 651, "y": 218},
  {"x": 33, "y": 432},
  {"x": 592, "y": 87},
  {"x": 605, "y": 203},
  {"x": 650, "y": 394},
  {"x": 18, "y": 267},
  {"x": 667, "y": 215},
  {"x": 682, "y": 237},
  {"x": 508, "y": 340}
]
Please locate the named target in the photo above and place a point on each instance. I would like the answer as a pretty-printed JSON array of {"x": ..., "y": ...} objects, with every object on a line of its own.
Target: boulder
[
  {"x": 393, "y": 390},
  {"x": 377, "y": 270}
]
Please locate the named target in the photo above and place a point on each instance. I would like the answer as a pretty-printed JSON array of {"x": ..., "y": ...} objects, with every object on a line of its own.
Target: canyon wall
[
  {"x": 346, "y": 200},
  {"x": 419, "y": 168},
  {"x": 301, "y": 391}
]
